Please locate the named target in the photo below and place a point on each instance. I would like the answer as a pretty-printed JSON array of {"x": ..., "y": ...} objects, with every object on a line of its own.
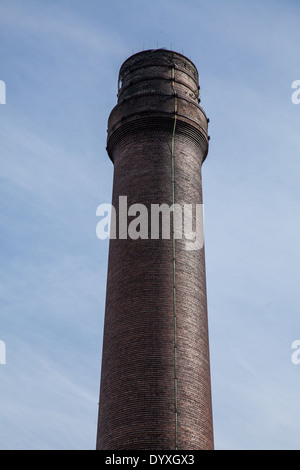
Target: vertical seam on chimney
[{"x": 174, "y": 256}]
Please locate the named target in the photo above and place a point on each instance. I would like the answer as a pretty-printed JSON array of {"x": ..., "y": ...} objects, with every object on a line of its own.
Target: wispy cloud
[
  {"x": 44, "y": 407},
  {"x": 53, "y": 22}
]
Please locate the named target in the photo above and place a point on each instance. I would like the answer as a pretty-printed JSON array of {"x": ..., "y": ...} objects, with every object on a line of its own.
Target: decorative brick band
[{"x": 132, "y": 125}]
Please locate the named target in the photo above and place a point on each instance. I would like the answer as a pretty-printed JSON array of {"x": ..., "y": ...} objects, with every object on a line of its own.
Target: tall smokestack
[{"x": 155, "y": 391}]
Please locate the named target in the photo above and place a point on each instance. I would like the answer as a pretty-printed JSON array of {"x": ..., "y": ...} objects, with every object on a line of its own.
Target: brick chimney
[{"x": 155, "y": 391}]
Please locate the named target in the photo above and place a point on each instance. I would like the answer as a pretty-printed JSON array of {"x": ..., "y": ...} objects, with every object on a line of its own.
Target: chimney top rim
[{"x": 149, "y": 51}]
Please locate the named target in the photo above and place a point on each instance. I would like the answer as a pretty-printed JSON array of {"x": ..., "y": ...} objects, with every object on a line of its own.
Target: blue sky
[{"x": 60, "y": 61}]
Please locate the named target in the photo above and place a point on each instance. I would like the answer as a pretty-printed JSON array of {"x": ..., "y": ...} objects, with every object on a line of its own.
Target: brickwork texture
[{"x": 155, "y": 391}]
